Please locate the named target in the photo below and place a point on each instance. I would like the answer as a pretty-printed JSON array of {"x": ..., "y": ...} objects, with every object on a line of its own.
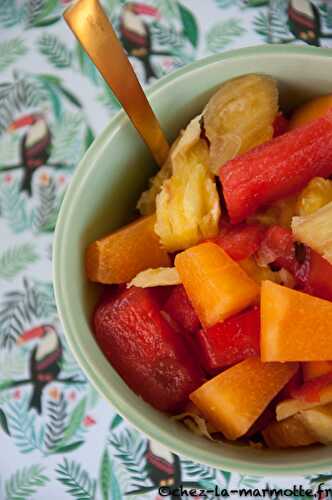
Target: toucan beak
[
  {"x": 30, "y": 335},
  {"x": 147, "y": 10},
  {"x": 10, "y": 128},
  {"x": 21, "y": 122}
]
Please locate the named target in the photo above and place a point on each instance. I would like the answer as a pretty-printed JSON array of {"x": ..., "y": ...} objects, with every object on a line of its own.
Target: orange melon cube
[
  {"x": 289, "y": 433},
  {"x": 233, "y": 400},
  {"x": 118, "y": 257},
  {"x": 216, "y": 285},
  {"x": 310, "y": 111},
  {"x": 294, "y": 326},
  {"x": 314, "y": 369}
]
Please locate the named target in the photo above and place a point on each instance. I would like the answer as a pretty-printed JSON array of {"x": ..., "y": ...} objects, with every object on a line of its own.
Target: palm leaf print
[
  {"x": 129, "y": 448},
  {"x": 57, "y": 414},
  {"x": 22, "y": 426},
  {"x": 16, "y": 259},
  {"x": 223, "y": 33},
  {"x": 25, "y": 482},
  {"x": 77, "y": 480},
  {"x": 10, "y": 51},
  {"x": 55, "y": 51}
]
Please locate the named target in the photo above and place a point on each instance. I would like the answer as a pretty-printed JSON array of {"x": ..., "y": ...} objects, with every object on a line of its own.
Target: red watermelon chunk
[
  {"x": 240, "y": 241},
  {"x": 230, "y": 342},
  {"x": 278, "y": 168},
  {"x": 277, "y": 247},
  {"x": 312, "y": 274},
  {"x": 280, "y": 125},
  {"x": 179, "y": 308},
  {"x": 315, "y": 275},
  {"x": 147, "y": 352},
  {"x": 310, "y": 391}
]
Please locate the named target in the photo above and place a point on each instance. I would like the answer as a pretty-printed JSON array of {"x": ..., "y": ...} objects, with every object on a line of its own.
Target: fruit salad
[{"x": 217, "y": 300}]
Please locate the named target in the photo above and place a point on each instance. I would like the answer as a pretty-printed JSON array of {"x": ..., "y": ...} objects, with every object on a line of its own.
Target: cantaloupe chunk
[
  {"x": 216, "y": 285},
  {"x": 233, "y": 400},
  {"x": 289, "y": 433},
  {"x": 118, "y": 257},
  {"x": 318, "y": 421},
  {"x": 290, "y": 407},
  {"x": 314, "y": 369},
  {"x": 294, "y": 326},
  {"x": 310, "y": 111}
]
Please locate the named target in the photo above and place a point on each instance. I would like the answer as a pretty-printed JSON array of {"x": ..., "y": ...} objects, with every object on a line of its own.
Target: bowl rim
[{"x": 117, "y": 401}]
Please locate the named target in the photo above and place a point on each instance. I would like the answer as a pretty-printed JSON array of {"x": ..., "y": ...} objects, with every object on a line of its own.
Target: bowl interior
[{"x": 102, "y": 197}]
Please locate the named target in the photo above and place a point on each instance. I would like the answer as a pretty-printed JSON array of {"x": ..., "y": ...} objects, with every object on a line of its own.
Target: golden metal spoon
[{"x": 90, "y": 24}]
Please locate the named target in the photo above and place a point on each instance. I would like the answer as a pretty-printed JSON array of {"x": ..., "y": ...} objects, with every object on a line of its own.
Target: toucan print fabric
[{"x": 58, "y": 439}]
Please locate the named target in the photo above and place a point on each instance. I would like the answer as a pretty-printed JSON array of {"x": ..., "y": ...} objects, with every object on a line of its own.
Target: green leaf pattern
[
  {"x": 25, "y": 482},
  {"x": 105, "y": 475},
  {"x": 4, "y": 422},
  {"x": 223, "y": 33},
  {"x": 16, "y": 259},
  {"x": 10, "y": 51},
  {"x": 56, "y": 52},
  {"x": 189, "y": 25},
  {"x": 78, "y": 447},
  {"x": 76, "y": 480},
  {"x": 31, "y": 13}
]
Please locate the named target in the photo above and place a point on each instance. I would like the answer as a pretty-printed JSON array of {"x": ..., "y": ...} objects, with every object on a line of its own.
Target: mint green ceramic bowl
[{"x": 103, "y": 194}]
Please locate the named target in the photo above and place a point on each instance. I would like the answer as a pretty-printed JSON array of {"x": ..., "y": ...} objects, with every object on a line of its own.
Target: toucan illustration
[
  {"x": 35, "y": 148},
  {"x": 163, "y": 468},
  {"x": 135, "y": 35},
  {"x": 304, "y": 22},
  {"x": 45, "y": 363}
]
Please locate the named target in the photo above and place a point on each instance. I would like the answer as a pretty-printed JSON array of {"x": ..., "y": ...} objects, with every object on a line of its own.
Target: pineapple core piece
[{"x": 315, "y": 230}]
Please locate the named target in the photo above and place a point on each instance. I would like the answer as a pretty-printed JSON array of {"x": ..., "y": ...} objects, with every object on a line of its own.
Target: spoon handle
[{"x": 90, "y": 24}]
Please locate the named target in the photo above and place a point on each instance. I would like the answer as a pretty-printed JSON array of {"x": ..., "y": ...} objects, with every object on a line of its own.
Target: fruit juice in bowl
[{"x": 214, "y": 303}]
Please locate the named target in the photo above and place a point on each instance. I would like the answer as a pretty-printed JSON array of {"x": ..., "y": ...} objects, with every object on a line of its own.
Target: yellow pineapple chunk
[
  {"x": 261, "y": 273},
  {"x": 239, "y": 116},
  {"x": 319, "y": 422},
  {"x": 147, "y": 202},
  {"x": 181, "y": 146},
  {"x": 188, "y": 208},
  {"x": 281, "y": 212},
  {"x": 314, "y": 196},
  {"x": 188, "y": 138},
  {"x": 315, "y": 230}
]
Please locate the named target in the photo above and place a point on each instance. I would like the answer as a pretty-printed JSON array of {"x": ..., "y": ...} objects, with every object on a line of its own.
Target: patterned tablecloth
[{"x": 58, "y": 438}]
